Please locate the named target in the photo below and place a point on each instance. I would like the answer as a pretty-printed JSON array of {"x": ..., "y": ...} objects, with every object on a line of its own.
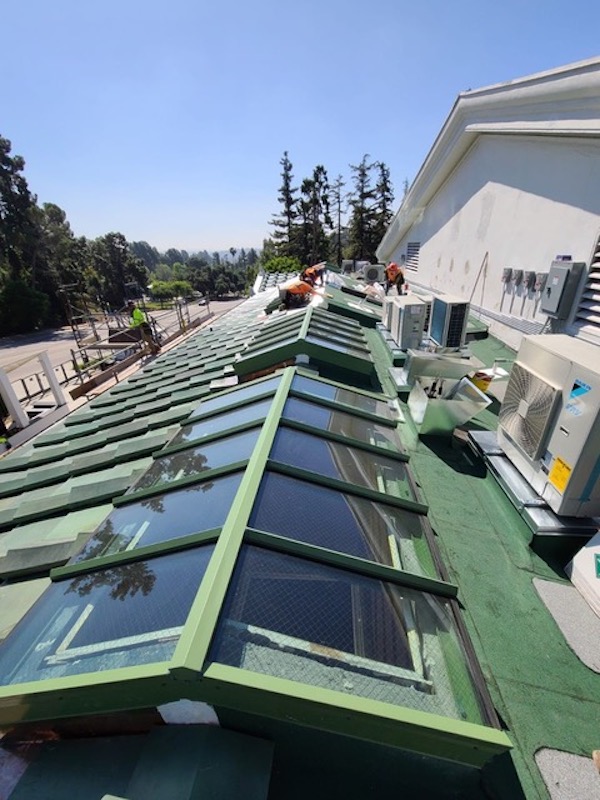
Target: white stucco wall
[{"x": 522, "y": 199}]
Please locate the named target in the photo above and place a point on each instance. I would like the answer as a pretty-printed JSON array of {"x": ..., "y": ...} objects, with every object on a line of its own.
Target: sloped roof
[{"x": 291, "y": 479}]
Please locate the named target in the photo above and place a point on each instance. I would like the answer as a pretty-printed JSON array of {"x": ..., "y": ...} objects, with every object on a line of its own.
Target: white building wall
[{"x": 523, "y": 200}]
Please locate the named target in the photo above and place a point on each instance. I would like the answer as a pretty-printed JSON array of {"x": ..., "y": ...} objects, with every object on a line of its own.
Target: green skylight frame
[{"x": 151, "y": 684}]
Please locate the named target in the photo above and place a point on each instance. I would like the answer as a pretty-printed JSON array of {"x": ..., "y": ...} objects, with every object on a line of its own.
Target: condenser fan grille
[{"x": 526, "y": 409}]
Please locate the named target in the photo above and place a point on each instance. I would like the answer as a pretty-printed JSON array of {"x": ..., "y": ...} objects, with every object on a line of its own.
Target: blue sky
[{"x": 167, "y": 120}]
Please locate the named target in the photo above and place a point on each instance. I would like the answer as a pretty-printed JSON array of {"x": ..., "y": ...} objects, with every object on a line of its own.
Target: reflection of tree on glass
[
  {"x": 126, "y": 581},
  {"x": 173, "y": 468}
]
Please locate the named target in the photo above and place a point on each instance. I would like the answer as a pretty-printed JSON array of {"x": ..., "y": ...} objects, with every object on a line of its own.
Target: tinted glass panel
[
  {"x": 164, "y": 517},
  {"x": 323, "y": 626},
  {"x": 350, "y": 398},
  {"x": 199, "y": 459},
  {"x": 119, "y": 617},
  {"x": 339, "y": 461},
  {"x": 339, "y": 521},
  {"x": 342, "y": 423},
  {"x": 236, "y": 396},
  {"x": 222, "y": 422}
]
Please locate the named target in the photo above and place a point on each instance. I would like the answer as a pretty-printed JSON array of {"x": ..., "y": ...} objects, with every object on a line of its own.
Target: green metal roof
[{"x": 237, "y": 581}]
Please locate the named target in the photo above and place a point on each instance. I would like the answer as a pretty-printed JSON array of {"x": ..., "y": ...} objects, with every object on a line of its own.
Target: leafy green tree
[
  {"x": 282, "y": 264},
  {"x": 22, "y": 308},
  {"x": 19, "y": 230},
  {"x": 116, "y": 266},
  {"x": 182, "y": 289},
  {"x": 172, "y": 256},
  {"x": 162, "y": 272},
  {"x": 148, "y": 254}
]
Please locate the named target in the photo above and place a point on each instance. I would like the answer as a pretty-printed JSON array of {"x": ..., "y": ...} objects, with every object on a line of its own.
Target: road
[{"x": 18, "y": 354}]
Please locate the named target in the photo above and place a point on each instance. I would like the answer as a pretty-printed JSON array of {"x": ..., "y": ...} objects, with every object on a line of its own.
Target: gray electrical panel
[{"x": 561, "y": 285}]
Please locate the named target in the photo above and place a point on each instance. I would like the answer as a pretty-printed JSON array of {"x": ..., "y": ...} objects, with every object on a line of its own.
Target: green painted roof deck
[{"x": 292, "y": 553}]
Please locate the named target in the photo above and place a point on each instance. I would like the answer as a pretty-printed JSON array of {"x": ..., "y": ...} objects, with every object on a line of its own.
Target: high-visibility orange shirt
[
  {"x": 392, "y": 271},
  {"x": 299, "y": 287}
]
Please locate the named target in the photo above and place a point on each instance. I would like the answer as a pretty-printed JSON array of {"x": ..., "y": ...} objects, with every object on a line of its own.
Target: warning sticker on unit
[{"x": 559, "y": 474}]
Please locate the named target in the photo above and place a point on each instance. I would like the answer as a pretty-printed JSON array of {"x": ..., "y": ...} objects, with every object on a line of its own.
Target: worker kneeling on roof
[
  {"x": 299, "y": 291},
  {"x": 315, "y": 273}
]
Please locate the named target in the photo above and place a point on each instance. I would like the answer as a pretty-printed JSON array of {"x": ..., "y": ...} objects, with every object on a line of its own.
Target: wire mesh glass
[
  {"x": 343, "y": 522},
  {"x": 119, "y": 617},
  {"x": 341, "y": 395},
  {"x": 342, "y": 423},
  {"x": 318, "y": 625},
  {"x": 336, "y": 460}
]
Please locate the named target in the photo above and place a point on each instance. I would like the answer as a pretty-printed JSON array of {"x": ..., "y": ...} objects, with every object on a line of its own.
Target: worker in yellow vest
[{"x": 138, "y": 320}]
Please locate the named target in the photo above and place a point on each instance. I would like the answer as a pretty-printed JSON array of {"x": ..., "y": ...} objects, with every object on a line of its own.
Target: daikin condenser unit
[
  {"x": 549, "y": 421},
  {"x": 407, "y": 321},
  {"x": 448, "y": 324}
]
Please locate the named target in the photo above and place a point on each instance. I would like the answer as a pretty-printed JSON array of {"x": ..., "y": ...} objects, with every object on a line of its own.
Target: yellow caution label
[{"x": 560, "y": 474}]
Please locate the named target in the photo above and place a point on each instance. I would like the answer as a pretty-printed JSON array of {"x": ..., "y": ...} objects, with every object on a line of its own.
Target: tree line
[
  {"x": 43, "y": 264},
  {"x": 319, "y": 221}
]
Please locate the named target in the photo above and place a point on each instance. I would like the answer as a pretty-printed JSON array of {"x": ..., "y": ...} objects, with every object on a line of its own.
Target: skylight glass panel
[
  {"x": 124, "y": 616},
  {"x": 195, "y": 460},
  {"x": 342, "y": 395},
  {"x": 223, "y": 422},
  {"x": 336, "y": 460},
  {"x": 198, "y": 508},
  {"x": 322, "y": 626},
  {"x": 238, "y": 395},
  {"x": 342, "y": 423},
  {"x": 344, "y": 522}
]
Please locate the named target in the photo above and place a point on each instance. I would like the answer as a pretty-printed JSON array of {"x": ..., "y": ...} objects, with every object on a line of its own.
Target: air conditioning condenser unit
[
  {"x": 549, "y": 421},
  {"x": 448, "y": 323}
]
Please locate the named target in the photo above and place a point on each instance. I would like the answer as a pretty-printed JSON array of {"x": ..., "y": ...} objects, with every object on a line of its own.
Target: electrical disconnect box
[
  {"x": 530, "y": 281},
  {"x": 517, "y": 277},
  {"x": 561, "y": 285},
  {"x": 506, "y": 274}
]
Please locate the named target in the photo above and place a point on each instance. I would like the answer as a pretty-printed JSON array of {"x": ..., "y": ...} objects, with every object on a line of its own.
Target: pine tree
[{"x": 285, "y": 223}]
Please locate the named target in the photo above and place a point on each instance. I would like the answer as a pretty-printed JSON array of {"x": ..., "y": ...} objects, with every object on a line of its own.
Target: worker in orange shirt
[
  {"x": 298, "y": 293},
  {"x": 315, "y": 273},
  {"x": 393, "y": 277}
]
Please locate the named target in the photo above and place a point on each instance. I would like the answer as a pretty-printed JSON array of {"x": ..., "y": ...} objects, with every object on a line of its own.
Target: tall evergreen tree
[
  {"x": 362, "y": 236},
  {"x": 285, "y": 223},
  {"x": 316, "y": 216},
  {"x": 384, "y": 199},
  {"x": 337, "y": 202}
]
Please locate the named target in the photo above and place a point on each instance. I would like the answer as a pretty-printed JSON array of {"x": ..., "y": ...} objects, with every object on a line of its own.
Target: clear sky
[{"x": 166, "y": 121}]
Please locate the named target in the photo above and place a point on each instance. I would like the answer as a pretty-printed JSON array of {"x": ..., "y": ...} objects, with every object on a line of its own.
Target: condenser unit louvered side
[
  {"x": 374, "y": 273},
  {"x": 549, "y": 421},
  {"x": 526, "y": 410}
]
